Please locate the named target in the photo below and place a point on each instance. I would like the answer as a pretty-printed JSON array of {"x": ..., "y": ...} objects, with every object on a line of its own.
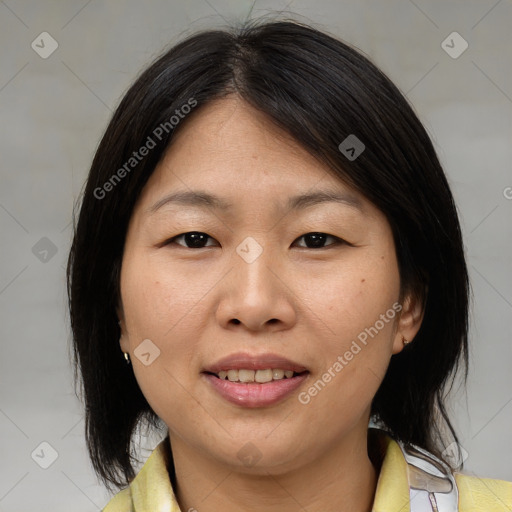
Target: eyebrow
[{"x": 202, "y": 199}]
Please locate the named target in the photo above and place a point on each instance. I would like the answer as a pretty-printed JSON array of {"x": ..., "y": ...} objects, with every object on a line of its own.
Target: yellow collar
[
  {"x": 151, "y": 489},
  {"x": 392, "y": 493}
]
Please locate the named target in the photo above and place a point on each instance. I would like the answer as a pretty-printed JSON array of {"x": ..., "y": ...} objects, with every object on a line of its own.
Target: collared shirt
[{"x": 151, "y": 490}]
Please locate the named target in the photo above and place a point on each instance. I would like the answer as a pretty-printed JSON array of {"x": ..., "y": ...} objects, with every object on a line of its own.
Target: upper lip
[{"x": 244, "y": 361}]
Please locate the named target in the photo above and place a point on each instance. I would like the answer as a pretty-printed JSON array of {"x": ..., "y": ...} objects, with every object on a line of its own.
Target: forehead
[
  {"x": 233, "y": 123},
  {"x": 231, "y": 149}
]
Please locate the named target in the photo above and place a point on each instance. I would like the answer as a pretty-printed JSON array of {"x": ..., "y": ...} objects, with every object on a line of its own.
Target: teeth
[
  {"x": 277, "y": 374},
  {"x": 246, "y": 375},
  {"x": 260, "y": 376}
]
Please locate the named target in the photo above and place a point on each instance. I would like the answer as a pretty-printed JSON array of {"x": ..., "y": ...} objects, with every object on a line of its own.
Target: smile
[
  {"x": 251, "y": 393},
  {"x": 260, "y": 376}
]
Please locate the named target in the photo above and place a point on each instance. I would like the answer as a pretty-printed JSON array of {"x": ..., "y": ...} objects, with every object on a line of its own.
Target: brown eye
[
  {"x": 198, "y": 240},
  {"x": 192, "y": 239},
  {"x": 317, "y": 240}
]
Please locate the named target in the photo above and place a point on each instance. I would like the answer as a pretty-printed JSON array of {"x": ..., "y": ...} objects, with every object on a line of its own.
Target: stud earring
[
  {"x": 127, "y": 357},
  {"x": 404, "y": 341}
]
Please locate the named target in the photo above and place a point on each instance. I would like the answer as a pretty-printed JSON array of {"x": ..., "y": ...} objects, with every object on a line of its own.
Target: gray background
[{"x": 53, "y": 113}]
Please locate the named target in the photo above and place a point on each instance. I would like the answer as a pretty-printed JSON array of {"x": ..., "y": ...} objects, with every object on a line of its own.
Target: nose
[{"x": 257, "y": 295}]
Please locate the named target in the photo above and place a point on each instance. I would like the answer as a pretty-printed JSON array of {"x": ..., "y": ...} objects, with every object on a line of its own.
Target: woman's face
[{"x": 253, "y": 283}]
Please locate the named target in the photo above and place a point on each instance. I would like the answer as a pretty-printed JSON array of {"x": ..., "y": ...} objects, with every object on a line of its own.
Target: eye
[
  {"x": 193, "y": 239},
  {"x": 317, "y": 240},
  {"x": 197, "y": 240}
]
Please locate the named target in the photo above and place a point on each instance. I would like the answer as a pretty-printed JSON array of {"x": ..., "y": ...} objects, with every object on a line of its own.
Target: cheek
[
  {"x": 159, "y": 307},
  {"x": 165, "y": 308},
  {"x": 160, "y": 300},
  {"x": 359, "y": 306},
  {"x": 354, "y": 295}
]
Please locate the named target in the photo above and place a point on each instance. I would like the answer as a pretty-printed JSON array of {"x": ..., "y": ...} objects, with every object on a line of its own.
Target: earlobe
[
  {"x": 122, "y": 327},
  {"x": 409, "y": 323},
  {"x": 123, "y": 343}
]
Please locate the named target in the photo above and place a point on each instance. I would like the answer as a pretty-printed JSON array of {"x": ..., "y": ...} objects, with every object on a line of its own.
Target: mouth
[
  {"x": 247, "y": 376},
  {"x": 254, "y": 381}
]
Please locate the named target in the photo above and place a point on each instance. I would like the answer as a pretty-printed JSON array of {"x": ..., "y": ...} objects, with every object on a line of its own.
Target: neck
[{"x": 341, "y": 479}]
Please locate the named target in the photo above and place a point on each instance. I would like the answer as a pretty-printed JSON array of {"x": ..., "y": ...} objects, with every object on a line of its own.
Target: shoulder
[
  {"x": 121, "y": 502},
  {"x": 483, "y": 494}
]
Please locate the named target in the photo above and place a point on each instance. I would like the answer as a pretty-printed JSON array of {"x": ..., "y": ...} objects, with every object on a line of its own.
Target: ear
[
  {"x": 409, "y": 322},
  {"x": 123, "y": 339}
]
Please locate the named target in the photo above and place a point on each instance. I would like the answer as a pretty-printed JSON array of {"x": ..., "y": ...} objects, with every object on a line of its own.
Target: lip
[
  {"x": 244, "y": 361},
  {"x": 254, "y": 394}
]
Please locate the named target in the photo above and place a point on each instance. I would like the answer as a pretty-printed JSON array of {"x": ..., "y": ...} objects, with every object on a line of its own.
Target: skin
[{"x": 305, "y": 303}]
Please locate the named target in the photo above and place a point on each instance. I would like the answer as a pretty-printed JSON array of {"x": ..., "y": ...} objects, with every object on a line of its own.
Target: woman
[{"x": 267, "y": 231}]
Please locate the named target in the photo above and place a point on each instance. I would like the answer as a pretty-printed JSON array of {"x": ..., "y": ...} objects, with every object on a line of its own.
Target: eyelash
[{"x": 338, "y": 240}]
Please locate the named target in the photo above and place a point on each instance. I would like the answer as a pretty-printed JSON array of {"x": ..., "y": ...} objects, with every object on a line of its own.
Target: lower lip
[{"x": 253, "y": 394}]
